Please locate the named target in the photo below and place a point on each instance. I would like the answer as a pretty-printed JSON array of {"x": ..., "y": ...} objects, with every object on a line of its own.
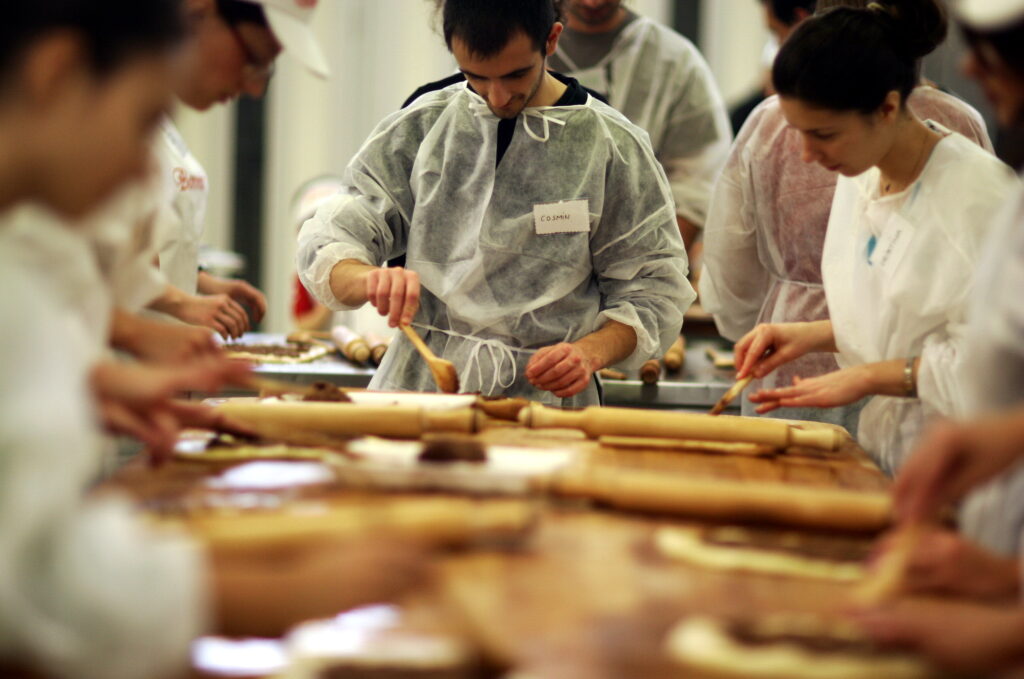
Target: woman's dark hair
[
  {"x": 236, "y": 12},
  {"x": 487, "y": 26},
  {"x": 112, "y": 31},
  {"x": 1008, "y": 43},
  {"x": 850, "y": 59}
]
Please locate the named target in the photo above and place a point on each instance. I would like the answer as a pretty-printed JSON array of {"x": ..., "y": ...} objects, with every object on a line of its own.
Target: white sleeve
[
  {"x": 734, "y": 282},
  {"x": 85, "y": 591},
  {"x": 638, "y": 254},
  {"x": 696, "y": 142},
  {"x": 369, "y": 218},
  {"x": 946, "y": 370},
  {"x": 323, "y": 242},
  {"x": 125, "y": 242}
]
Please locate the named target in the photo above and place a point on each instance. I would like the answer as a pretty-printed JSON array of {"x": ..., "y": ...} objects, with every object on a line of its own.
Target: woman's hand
[
  {"x": 782, "y": 342},
  {"x": 838, "y": 388}
]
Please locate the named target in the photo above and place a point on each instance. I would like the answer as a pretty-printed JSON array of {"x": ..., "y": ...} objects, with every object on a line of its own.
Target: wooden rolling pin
[
  {"x": 597, "y": 422},
  {"x": 650, "y": 372},
  {"x": 777, "y": 503},
  {"x": 378, "y": 347},
  {"x": 675, "y": 357},
  {"x": 352, "y": 346},
  {"x": 348, "y": 419},
  {"x": 433, "y": 521}
]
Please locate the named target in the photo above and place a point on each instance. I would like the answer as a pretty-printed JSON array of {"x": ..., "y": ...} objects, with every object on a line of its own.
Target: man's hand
[
  {"x": 962, "y": 637},
  {"x": 783, "y": 342},
  {"x": 943, "y": 562},
  {"x": 238, "y": 290},
  {"x": 563, "y": 369},
  {"x": 395, "y": 292},
  {"x": 951, "y": 459}
]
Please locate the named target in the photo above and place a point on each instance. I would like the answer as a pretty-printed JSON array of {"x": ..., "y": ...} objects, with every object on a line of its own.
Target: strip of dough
[
  {"x": 316, "y": 351},
  {"x": 705, "y": 645},
  {"x": 687, "y": 544}
]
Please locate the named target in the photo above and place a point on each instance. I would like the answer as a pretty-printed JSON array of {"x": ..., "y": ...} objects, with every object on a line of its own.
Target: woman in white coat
[
  {"x": 910, "y": 212},
  {"x": 980, "y": 459},
  {"x": 766, "y": 231}
]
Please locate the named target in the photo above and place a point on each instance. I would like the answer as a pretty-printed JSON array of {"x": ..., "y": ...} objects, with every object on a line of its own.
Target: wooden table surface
[{"x": 588, "y": 596}]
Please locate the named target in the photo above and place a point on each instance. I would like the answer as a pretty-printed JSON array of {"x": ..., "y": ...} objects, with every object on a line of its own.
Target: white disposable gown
[
  {"x": 994, "y": 358},
  {"x": 494, "y": 290},
  {"x": 766, "y": 231},
  {"x": 85, "y": 591},
  {"x": 898, "y": 273},
  {"x": 660, "y": 81}
]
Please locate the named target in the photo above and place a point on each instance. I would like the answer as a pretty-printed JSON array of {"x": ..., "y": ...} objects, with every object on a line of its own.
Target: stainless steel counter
[{"x": 698, "y": 386}]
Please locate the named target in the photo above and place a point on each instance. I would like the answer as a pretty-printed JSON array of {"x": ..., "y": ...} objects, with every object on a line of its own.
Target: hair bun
[{"x": 920, "y": 25}]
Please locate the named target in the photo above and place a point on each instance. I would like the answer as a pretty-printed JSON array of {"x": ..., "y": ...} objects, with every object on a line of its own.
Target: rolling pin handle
[{"x": 824, "y": 439}]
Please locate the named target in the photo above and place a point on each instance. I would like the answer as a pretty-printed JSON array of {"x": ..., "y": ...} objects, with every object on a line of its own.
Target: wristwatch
[{"x": 909, "y": 383}]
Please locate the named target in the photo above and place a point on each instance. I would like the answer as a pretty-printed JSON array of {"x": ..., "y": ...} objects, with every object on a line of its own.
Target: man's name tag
[{"x": 569, "y": 216}]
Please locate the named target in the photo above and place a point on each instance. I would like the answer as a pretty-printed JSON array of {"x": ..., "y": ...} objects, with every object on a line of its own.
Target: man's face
[
  {"x": 776, "y": 26},
  {"x": 509, "y": 80},
  {"x": 1002, "y": 87},
  {"x": 225, "y": 61},
  {"x": 593, "y": 13}
]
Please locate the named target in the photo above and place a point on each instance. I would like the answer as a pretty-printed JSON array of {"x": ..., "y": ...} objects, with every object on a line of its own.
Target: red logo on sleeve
[{"x": 188, "y": 182}]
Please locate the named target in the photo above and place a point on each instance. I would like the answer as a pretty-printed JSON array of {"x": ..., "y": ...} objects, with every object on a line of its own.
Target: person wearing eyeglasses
[{"x": 234, "y": 47}]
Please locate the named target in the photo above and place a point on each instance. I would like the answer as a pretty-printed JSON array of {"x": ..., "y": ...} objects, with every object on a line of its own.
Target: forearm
[
  {"x": 170, "y": 302},
  {"x": 613, "y": 343},
  {"x": 688, "y": 230},
  {"x": 821, "y": 336},
  {"x": 887, "y": 378},
  {"x": 209, "y": 285},
  {"x": 124, "y": 330},
  {"x": 348, "y": 282}
]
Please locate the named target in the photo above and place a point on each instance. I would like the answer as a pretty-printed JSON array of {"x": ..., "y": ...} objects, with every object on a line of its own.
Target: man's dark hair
[
  {"x": 112, "y": 31},
  {"x": 487, "y": 26},
  {"x": 236, "y": 12},
  {"x": 785, "y": 10}
]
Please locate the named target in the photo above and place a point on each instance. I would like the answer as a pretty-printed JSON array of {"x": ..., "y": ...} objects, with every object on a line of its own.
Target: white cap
[
  {"x": 990, "y": 14},
  {"x": 289, "y": 20}
]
